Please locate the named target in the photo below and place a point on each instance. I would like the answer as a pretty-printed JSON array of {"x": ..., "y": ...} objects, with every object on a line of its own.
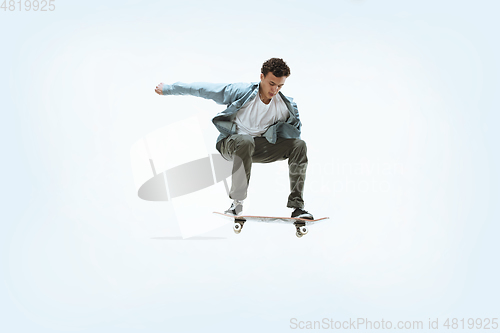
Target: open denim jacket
[{"x": 235, "y": 95}]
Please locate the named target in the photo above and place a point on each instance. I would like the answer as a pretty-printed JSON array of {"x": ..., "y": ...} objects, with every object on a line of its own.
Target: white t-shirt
[{"x": 255, "y": 117}]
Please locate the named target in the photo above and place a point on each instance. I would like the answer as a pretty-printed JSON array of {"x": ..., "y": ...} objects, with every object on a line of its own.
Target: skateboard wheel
[
  {"x": 303, "y": 230},
  {"x": 298, "y": 234},
  {"x": 237, "y": 228}
]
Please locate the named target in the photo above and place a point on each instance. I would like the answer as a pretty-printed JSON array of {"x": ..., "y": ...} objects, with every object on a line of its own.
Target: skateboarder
[{"x": 259, "y": 125}]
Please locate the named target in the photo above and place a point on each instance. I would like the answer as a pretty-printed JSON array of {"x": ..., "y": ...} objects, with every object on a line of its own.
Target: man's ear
[{"x": 261, "y": 76}]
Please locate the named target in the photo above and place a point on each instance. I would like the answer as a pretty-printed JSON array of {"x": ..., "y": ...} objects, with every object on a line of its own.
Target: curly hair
[{"x": 276, "y": 66}]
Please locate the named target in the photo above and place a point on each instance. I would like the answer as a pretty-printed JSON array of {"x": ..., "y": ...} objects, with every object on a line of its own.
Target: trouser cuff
[{"x": 295, "y": 204}]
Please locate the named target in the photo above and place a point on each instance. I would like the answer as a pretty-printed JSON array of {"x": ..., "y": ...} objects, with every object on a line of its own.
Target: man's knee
[{"x": 300, "y": 145}]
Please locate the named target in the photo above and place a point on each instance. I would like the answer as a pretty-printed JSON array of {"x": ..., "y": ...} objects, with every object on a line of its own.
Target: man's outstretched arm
[{"x": 221, "y": 93}]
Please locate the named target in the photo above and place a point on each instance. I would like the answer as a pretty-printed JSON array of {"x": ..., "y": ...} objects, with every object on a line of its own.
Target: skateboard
[{"x": 300, "y": 224}]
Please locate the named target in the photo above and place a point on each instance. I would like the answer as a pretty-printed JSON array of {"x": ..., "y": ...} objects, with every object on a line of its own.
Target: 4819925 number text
[{"x": 28, "y": 5}]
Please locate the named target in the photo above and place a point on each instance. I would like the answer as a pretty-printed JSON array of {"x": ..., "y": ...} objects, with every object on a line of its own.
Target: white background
[{"x": 399, "y": 104}]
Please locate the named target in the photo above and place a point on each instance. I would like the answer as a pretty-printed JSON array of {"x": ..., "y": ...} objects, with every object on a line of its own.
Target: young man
[{"x": 260, "y": 125}]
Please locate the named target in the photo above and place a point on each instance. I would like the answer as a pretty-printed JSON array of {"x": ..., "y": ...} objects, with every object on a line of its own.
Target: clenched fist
[{"x": 159, "y": 89}]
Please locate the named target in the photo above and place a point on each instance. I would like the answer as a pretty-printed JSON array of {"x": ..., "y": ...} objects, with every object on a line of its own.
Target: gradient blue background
[{"x": 399, "y": 102}]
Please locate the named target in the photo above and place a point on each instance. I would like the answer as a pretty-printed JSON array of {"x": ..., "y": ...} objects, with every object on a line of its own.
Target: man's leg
[
  {"x": 295, "y": 150},
  {"x": 239, "y": 148}
]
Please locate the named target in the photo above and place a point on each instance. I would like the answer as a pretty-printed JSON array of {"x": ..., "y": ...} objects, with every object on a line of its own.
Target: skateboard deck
[{"x": 299, "y": 223}]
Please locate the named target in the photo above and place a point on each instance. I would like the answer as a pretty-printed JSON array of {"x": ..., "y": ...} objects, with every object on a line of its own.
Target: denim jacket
[{"x": 234, "y": 96}]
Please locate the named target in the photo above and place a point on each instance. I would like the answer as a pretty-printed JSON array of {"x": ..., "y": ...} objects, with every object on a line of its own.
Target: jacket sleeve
[
  {"x": 221, "y": 93},
  {"x": 297, "y": 124}
]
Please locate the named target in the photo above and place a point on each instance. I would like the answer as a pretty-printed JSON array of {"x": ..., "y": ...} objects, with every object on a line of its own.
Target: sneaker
[
  {"x": 236, "y": 208},
  {"x": 302, "y": 214}
]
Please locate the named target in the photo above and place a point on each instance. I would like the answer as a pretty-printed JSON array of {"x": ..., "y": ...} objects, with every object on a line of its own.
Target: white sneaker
[{"x": 236, "y": 208}]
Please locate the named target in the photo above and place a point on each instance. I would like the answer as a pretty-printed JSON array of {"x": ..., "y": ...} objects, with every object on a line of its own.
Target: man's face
[{"x": 270, "y": 85}]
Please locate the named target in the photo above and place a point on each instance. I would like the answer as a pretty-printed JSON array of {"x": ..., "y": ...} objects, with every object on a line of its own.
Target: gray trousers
[{"x": 244, "y": 150}]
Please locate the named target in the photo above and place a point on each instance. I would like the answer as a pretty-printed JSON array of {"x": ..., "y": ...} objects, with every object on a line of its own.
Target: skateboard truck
[
  {"x": 238, "y": 224},
  {"x": 301, "y": 229}
]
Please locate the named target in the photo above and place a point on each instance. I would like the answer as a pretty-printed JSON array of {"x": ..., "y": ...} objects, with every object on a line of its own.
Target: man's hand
[{"x": 159, "y": 89}]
